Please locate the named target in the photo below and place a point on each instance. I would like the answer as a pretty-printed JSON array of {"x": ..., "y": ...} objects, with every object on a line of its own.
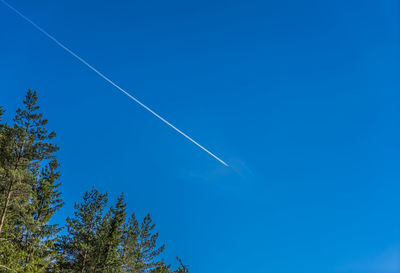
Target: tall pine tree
[
  {"x": 79, "y": 250},
  {"x": 29, "y": 192}
]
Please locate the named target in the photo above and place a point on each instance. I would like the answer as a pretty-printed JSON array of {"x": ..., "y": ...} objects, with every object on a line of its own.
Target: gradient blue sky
[{"x": 300, "y": 97}]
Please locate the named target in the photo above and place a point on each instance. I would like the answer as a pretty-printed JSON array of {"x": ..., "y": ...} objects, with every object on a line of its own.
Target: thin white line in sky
[{"x": 110, "y": 81}]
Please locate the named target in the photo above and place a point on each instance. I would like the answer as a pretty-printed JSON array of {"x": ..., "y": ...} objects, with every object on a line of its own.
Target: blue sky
[{"x": 301, "y": 98}]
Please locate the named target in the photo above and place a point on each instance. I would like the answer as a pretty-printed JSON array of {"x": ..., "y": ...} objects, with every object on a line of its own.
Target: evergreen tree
[
  {"x": 29, "y": 193},
  {"x": 79, "y": 249},
  {"x": 110, "y": 235},
  {"x": 95, "y": 242},
  {"x": 140, "y": 250},
  {"x": 40, "y": 240}
]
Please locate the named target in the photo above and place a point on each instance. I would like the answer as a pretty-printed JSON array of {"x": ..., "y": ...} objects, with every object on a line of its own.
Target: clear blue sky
[{"x": 300, "y": 97}]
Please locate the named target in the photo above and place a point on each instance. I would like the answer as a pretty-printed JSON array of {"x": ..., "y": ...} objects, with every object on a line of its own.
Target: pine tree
[
  {"x": 40, "y": 240},
  {"x": 140, "y": 250},
  {"x": 110, "y": 235},
  {"x": 99, "y": 242},
  {"x": 29, "y": 193},
  {"x": 79, "y": 249},
  {"x": 96, "y": 242}
]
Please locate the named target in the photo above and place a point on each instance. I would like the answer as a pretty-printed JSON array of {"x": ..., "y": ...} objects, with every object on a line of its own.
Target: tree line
[{"x": 95, "y": 239}]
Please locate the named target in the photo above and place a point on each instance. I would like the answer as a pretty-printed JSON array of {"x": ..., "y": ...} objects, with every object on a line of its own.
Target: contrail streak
[{"x": 108, "y": 80}]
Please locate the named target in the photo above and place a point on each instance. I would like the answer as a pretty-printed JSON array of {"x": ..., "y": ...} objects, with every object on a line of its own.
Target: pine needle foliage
[
  {"x": 29, "y": 190},
  {"x": 96, "y": 239}
]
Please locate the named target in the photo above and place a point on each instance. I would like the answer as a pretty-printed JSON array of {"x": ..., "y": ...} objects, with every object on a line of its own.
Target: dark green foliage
[
  {"x": 183, "y": 268},
  {"x": 95, "y": 240},
  {"x": 99, "y": 241},
  {"x": 29, "y": 194},
  {"x": 140, "y": 250},
  {"x": 79, "y": 248},
  {"x": 112, "y": 231}
]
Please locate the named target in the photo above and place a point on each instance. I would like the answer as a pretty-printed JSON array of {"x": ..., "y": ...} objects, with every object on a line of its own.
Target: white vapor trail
[{"x": 108, "y": 80}]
